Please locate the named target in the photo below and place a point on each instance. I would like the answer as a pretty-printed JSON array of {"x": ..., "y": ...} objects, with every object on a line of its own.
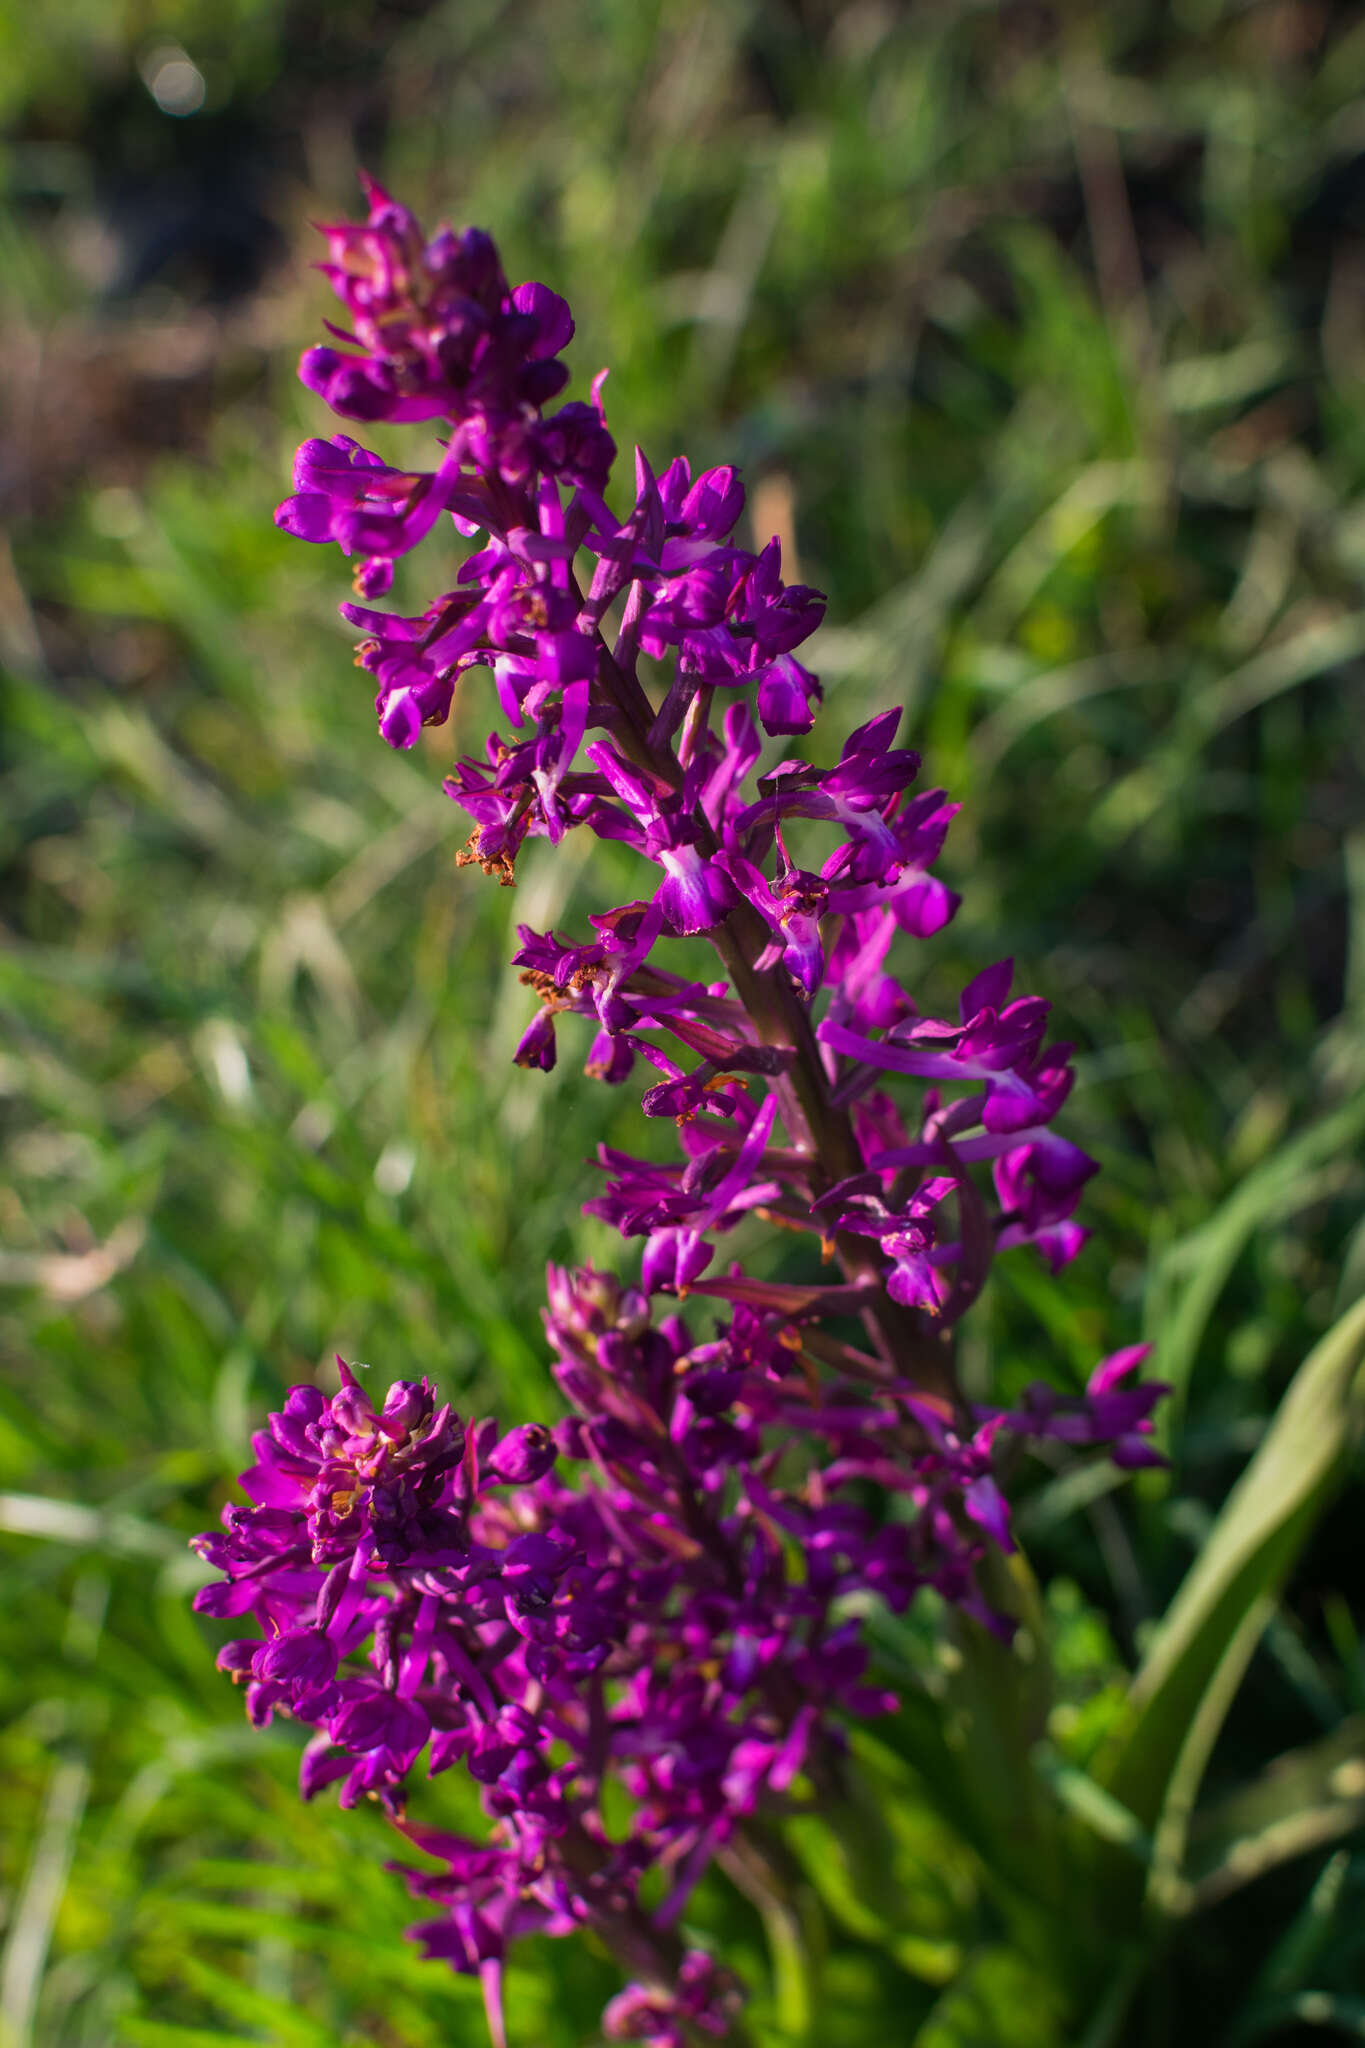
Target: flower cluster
[
  {"x": 654, "y": 1592},
  {"x": 659, "y": 1595}
]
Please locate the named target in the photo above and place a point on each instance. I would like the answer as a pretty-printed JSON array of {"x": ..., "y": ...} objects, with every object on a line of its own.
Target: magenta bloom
[{"x": 658, "y": 1595}]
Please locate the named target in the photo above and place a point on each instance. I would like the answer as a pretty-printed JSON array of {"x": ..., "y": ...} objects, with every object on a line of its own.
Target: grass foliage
[{"x": 1037, "y": 333}]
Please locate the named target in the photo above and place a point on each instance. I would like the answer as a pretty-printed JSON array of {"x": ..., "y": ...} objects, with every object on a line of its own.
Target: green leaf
[
  {"x": 1078, "y": 1792},
  {"x": 1195, "y": 1663},
  {"x": 889, "y": 1867},
  {"x": 997, "y": 1701},
  {"x": 794, "y": 1930},
  {"x": 1295, "y": 1953}
]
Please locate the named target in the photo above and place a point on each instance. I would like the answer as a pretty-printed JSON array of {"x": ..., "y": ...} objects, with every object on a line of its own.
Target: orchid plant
[{"x": 641, "y": 1628}]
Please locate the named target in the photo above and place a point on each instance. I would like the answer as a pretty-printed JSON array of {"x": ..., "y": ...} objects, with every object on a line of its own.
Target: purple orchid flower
[{"x": 660, "y": 1595}]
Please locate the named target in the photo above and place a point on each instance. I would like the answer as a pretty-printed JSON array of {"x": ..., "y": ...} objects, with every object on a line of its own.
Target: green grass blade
[
  {"x": 1297, "y": 1951},
  {"x": 1306, "y": 1799},
  {"x": 1282, "y": 1184},
  {"x": 1316, "y": 2009}
]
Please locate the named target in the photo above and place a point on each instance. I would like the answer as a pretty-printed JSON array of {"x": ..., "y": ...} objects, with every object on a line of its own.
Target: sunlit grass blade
[{"x": 1303, "y": 1801}]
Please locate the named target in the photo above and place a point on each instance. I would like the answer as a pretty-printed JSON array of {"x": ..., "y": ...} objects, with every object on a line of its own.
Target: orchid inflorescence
[{"x": 664, "y": 1593}]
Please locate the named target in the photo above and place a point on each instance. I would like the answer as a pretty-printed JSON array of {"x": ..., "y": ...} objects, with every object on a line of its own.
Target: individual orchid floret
[
  {"x": 1110, "y": 1412},
  {"x": 696, "y": 892},
  {"x": 705, "y": 1999},
  {"x": 791, "y": 906},
  {"x": 788, "y": 696},
  {"x": 919, "y": 901},
  {"x": 343, "y": 493},
  {"x": 363, "y": 1479},
  {"x": 438, "y": 329}
]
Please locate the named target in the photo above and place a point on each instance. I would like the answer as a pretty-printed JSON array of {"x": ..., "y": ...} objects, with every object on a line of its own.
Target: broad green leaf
[{"x": 1196, "y": 1661}]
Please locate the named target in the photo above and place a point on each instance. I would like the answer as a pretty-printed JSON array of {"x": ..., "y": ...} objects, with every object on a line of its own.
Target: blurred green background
[{"x": 1040, "y": 334}]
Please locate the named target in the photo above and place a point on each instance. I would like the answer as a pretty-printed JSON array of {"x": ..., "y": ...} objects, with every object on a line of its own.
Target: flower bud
[{"x": 523, "y": 1455}]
